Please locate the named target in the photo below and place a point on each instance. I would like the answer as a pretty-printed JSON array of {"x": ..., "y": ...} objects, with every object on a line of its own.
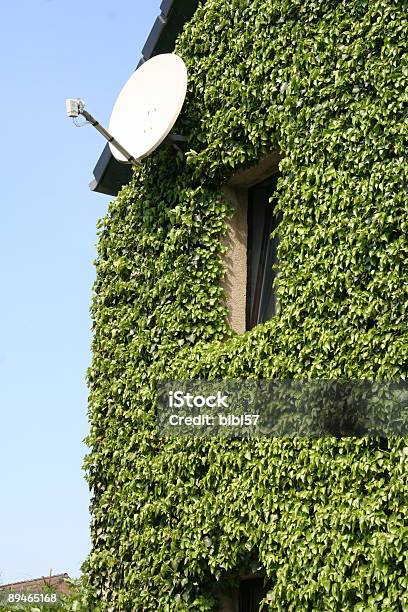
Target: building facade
[{"x": 296, "y": 127}]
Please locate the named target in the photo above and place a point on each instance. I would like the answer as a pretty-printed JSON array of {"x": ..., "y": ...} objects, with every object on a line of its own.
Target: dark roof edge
[
  {"x": 65, "y": 576},
  {"x": 110, "y": 175}
]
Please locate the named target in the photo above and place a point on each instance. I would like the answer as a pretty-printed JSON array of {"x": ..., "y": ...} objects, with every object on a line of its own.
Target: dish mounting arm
[{"x": 77, "y": 107}]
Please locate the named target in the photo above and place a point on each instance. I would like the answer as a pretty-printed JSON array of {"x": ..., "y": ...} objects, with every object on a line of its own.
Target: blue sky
[{"x": 51, "y": 50}]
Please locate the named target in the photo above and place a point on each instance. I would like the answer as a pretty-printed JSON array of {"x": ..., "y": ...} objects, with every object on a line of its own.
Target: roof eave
[{"x": 109, "y": 174}]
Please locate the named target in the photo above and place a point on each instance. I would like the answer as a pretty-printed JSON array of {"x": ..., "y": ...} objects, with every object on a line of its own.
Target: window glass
[
  {"x": 262, "y": 252},
  {"x": 251, "y": 593}
]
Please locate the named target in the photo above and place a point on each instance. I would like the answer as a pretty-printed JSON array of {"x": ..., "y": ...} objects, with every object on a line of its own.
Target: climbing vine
[{"x": 176, "y": 520}]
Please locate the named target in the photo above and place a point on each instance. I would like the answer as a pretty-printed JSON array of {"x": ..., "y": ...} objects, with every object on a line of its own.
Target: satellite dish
[
  {"x": 148, "y": 106},
  {"x": 145, "y": 110}
]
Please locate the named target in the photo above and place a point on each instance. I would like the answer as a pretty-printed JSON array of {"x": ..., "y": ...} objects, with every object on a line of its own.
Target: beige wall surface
[
  {"x": 235, "y": 259},
  {"x": 228, "y": 603}
]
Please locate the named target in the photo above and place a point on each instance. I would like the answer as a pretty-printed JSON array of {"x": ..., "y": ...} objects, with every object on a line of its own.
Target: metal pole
[{"x": 109, "y": 137}]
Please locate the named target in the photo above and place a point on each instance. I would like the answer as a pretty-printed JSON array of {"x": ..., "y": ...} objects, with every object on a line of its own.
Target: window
[
  {"x": 261, "y": 252},
  {"x": 249, "y": 253},
  {"x": 251, "y": 593}
]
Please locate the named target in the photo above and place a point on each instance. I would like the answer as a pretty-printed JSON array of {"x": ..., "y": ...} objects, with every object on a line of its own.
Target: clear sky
[{"x": 51, "y": 50}]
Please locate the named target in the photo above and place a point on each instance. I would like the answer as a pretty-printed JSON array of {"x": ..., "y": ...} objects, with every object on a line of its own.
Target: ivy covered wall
[{"x": 325, "y": 83}]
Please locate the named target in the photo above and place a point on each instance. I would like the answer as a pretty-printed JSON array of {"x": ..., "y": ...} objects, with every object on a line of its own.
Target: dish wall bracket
[{"x": 175, "y": 140}]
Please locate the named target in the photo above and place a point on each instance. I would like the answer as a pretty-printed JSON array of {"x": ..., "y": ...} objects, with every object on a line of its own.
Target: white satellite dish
[
  {"x": 145, "y": 110},
  {"x": 148, "y": 105}
]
